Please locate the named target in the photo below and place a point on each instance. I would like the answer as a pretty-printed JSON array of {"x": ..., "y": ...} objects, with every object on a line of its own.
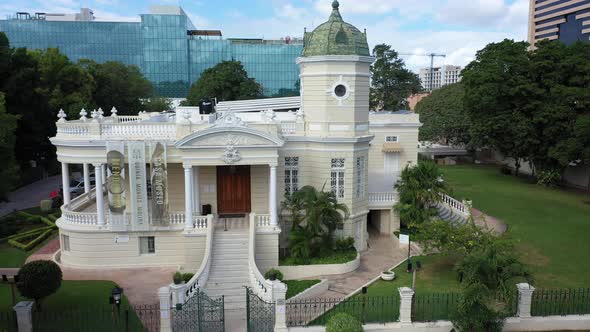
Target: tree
[
  {"x": 418, "y": 188},
  {"x": 391, "y": 82},
  {"x": 488, "y": 275},
  {"x": 4, "y": 57},
  {"x": 499, "y": 98},
  {"x": 118, "y": 85},
  {"x": 8, "y": 172},
  {"x": 39, "y": 279},
  {"x": 226, "y": 81},
  {"x": 315, "y": 215},
  {"x": 157, "y": 104},
  {"x": 444, "y": 116}
]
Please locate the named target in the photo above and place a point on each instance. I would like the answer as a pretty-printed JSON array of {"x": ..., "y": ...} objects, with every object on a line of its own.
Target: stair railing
[
  {"x": 260, "y": 286},
  {"x": 180, "y": 293}
]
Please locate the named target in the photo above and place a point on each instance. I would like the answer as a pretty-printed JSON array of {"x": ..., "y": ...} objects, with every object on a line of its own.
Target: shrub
[
  {"x": 548, "y": 178},
  {"x": 345, "y": 244},
  {"x": 273, "y": 274},
  {"x": 506, "y": 170},
  {"x": 177, "y": 278},
  {"x": 39, "y": 279},
  {"x": 186, "y": 277},
  {"x": 343, "y": 322},
  {"x": 28, "y": 240}
]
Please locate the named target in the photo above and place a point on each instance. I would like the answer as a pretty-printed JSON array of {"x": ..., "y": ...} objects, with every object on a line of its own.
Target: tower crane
[{"x": 432, "y": 56}]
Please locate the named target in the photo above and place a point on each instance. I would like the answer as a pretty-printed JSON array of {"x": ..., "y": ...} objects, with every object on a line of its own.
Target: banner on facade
[
  {"x": 138, "y": 184},
  {"x": 159, "y": 184},
  {"x": 116, "y": 184}
]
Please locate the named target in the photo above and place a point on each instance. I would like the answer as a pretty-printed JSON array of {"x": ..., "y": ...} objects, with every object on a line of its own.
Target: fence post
[
  {"x": 525, "y": 298},
  {"x": 279, "y": 297},
  {"x": 165, "y": 319},
  {"x": 24, "y": 316},
  {"x": 405, "y": 308}
]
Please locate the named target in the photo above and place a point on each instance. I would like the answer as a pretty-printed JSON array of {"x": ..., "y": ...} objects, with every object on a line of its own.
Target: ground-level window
[
  {"x": 291, "y": 175},
  {"x": 65, "y": 241},
  {"x": 147, "y": 245},
  {"x": 360, "y": 177},
  {"x": 337, "y": 177}
]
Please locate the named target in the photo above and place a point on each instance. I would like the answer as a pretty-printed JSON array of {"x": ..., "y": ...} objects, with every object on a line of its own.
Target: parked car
[{"x": 77, "y": 186}]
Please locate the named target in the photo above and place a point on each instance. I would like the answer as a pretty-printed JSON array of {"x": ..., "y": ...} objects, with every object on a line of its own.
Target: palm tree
[
  {"x": 418, "y": 188},
  {"x": 315, "y": 215},
  {"x": 488, "y": 275}
]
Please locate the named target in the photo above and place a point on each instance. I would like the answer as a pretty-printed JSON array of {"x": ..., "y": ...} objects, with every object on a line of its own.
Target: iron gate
[
  {"x": 199, "y": 313},
  {"x": 260, "y": 315}
]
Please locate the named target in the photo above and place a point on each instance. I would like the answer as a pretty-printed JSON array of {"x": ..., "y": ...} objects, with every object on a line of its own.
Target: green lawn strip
[
  {"x": 335, "y": 257},
  {"x": 14, "y": 257},
  {"x": 76, "y": 306},
  {"x": 297, "y": 286},
  {"x": 550, "y": 226}
]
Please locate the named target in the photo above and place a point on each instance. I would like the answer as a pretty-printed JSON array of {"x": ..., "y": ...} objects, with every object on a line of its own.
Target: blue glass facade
[{"x": 160, "y": 47}]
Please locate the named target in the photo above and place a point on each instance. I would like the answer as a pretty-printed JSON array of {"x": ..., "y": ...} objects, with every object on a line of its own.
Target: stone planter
[{"x": 388, "y": 275}]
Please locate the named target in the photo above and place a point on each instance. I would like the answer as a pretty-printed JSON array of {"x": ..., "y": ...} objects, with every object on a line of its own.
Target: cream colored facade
[{"x": 240, "y": 162}]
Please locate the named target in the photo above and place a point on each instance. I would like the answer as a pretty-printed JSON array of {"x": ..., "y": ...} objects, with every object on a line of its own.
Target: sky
[{"x": 457, "y": 28}]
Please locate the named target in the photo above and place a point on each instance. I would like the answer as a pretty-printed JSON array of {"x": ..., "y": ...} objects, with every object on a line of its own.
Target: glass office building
[{"x": 163, "y": 47}]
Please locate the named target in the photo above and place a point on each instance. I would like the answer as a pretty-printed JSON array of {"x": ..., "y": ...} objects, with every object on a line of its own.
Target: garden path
[
  {"x": 495, "y": 225},
  {"x": 29, "y": 196},
  {"x": 384, "y": 252},
  {"x": 139, "y": 284}
]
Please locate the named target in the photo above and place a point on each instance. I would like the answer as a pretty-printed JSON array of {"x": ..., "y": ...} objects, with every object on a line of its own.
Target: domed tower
[{"x": 335, "y": 79}]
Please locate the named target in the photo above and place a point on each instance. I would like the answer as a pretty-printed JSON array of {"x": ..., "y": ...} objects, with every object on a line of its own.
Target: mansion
[{"x": 170, "y": 185}]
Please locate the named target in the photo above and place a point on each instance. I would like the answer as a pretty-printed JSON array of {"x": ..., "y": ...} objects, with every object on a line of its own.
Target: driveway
[{"x": 29, "y": 196}]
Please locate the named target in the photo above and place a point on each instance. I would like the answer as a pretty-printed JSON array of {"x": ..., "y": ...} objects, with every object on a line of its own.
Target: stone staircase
[
  {"x": 229, "y": 266},
  {"x": 445, "y": 213}
]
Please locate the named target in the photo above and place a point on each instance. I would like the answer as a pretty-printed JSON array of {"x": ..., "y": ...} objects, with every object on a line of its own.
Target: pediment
[{"x": 221, "y": 137}]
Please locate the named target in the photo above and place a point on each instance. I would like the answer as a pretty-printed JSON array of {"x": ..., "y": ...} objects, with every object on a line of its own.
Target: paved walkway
[
  {"x": 140, "y": 284},
  {"x": 483, "y": 220},
  {"x": 384, "y": 252},
  {"x": 29, "y": 196}
]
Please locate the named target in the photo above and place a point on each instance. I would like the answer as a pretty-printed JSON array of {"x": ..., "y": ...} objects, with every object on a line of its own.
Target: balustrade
[
  {"x": 260, "y": 286},
  {"x": 262, "y": 220},
  {"x": 288, "y": 128},
  {"x": 455, "y": 204}
]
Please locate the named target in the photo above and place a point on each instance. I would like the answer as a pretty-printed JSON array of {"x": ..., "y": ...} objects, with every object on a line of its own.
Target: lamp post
[{"x": 115, "y": 300}]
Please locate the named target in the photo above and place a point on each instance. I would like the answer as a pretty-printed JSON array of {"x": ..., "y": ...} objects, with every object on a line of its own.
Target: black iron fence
[
  {"x": 8, "y": 321},
  {"x": 143, "y": 318},
  {"x": 560, "y": 302},
  {"x": 433, "y": 307},
  {"x": 368, "y": 309},
  {"x": 199, "y": 313}
]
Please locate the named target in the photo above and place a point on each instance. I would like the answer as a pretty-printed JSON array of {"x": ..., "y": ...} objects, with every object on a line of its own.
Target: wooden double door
[{"x": 233, "y": 189}]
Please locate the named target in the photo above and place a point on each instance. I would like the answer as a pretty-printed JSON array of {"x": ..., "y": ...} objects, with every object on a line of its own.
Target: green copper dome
[{"x": 335, "y": 37}]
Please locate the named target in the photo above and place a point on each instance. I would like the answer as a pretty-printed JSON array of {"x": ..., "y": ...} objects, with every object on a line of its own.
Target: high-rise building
[
  {"x": 439, "y": 76},
  {"x": 564, "y": 20},
  {"x": 164, "y": 44}
]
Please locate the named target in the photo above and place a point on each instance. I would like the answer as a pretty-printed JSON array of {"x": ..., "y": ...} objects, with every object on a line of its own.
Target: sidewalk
[
  {"x": 384, "y": 252},
  {"x": 140, "y": 284}
]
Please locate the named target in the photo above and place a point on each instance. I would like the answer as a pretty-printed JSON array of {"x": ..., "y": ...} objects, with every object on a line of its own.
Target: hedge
[{"x": 44, "y": 234}]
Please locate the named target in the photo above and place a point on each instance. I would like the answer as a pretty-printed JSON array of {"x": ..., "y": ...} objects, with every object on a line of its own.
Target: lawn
[
  {"x": 334, "y": 257},
  {"x": 550, "y": 226},
  {"x": 435, "y": 276},
  {"x": 77, "y": 305},
  {"x": 13, "y": 257},
  {"x": 295, "y": 287}
]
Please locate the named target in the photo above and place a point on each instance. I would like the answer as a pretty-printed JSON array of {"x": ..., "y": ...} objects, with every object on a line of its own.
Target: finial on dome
[
  {"x": 335, "y": 4},
  {"x": 335, "y": 16}
]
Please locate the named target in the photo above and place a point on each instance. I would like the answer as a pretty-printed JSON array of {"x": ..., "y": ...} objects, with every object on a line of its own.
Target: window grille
[
  {"x": 291, "y": 175},
  {"x": 337, "y": 177}
]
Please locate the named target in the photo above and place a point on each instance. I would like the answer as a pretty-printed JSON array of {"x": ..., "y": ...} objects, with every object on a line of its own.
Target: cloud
[
  {"x": 107, "y": 16},
  {"x": 200, "y": 22}
]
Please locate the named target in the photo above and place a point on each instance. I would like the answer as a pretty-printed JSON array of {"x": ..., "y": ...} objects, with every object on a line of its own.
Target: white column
[
  {"x": 24, "y": 315},
  {"x": 165, "y": 305},
  {"x": 272, "y": 199},
  {"x": 196, "y": 191},
  {"x": 99, "y": 194},
  {"x": 104, "y": 173},
  {"x": 65, "y": 182},
  {"x": 86, "y": 178},
  {"x": 405, "y": 309},
  {"x": 525, "y": 299},
  {"x": 188, "y": 197}
]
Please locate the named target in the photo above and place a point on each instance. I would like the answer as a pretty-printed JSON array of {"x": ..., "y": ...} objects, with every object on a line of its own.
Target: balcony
[
  {"x": 382, "y": 200},
  {"x": 81, "y": 214}
]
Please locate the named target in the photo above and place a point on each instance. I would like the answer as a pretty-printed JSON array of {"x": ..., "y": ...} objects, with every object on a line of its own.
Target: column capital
[
  {"x": 96, "y": 165},
  {"x": 525, "y": 288},
  {"x": 187, "y": 166}
]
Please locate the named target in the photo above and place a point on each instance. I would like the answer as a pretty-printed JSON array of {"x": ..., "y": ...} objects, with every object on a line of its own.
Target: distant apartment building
[
  {"x": 439, "y": 76},
  {"x": 164, "y": 44},
  {"x": 564, "y": 20}
]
